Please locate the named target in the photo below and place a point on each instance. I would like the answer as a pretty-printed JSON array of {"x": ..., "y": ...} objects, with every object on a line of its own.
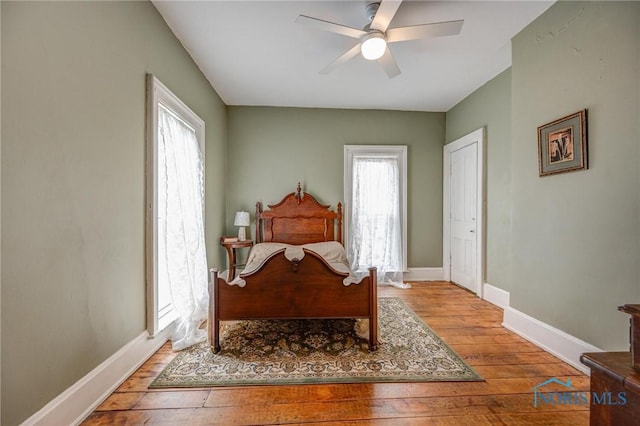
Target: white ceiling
[{"x": 254, "y": 53}]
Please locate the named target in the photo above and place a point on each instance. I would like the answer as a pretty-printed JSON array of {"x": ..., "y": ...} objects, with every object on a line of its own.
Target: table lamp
[{"x": 242, "y": 220}]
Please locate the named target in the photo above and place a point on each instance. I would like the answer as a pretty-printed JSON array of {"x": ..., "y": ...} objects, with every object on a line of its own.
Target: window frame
[
  {"x": 159, "y": 94},
  {"x": 376, "y": 151}
]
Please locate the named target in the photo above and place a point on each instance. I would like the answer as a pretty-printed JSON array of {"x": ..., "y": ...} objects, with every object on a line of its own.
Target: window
[
  {"x": 375, "y": 209},
  {"x": 176, "y": 254}
]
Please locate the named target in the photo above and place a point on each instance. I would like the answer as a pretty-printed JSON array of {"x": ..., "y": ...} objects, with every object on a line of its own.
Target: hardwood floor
[{"x": 510, "y": 365}]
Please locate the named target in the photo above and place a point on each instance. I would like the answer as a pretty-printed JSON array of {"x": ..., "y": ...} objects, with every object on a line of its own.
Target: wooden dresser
[{"x": 615, "y": 380}]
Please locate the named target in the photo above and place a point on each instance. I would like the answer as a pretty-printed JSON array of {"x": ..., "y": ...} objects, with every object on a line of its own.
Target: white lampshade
[
  {"x": 373, "y": 46},
  {"x": 242, "y": 219}
]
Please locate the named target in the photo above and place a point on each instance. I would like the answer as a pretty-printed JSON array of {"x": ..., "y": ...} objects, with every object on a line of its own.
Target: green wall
[
  {"x": 270, "y": 149},
  {"x": 73, "y": 182},
  {"x": 567, "y": 247},
  {"x": 576, "y": 236},
  {"x": 489, "y": 107}
]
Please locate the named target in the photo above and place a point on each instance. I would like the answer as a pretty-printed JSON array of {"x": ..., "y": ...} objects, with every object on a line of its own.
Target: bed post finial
[
  {"x": 258, "y": 222},
  {"x": 299, "y": 193},
  {"x": 340, "y": 223}
]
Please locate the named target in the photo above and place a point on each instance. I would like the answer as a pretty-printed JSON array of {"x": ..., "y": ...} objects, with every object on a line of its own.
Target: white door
[{"x": 463, "y": 216}]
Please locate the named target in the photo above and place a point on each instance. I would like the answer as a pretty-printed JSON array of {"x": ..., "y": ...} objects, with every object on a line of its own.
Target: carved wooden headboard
[{"x": 298, "y": 219}]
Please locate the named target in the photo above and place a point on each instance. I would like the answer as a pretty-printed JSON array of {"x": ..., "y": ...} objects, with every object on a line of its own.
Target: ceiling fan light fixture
[{"x": 373, "y": 46}]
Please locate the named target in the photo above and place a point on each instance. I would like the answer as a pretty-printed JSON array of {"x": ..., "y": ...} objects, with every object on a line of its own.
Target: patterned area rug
[{"x": 265, "y": 352}]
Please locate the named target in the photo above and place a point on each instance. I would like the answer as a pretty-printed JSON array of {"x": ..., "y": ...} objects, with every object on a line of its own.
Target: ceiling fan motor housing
[{"x": 371, "y": 8}]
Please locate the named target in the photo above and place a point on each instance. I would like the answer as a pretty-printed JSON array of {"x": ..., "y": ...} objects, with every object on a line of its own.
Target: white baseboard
[
  {"x": 553, "y": 340},
  {"x": 496, "y": 296},
  {"x": 423, "y": 274},
  {"x": 83, "y": 397}
]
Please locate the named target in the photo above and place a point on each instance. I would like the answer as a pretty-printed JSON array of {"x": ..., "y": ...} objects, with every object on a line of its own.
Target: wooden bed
[{"x": 307, "y": 288}]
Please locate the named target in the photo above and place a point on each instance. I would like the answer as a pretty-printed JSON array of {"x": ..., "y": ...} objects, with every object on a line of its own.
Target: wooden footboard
[{"x": 308, "y": 288}]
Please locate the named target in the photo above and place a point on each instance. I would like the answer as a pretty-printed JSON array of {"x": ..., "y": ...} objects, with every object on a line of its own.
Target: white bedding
[{"x": 331, "y": 251}]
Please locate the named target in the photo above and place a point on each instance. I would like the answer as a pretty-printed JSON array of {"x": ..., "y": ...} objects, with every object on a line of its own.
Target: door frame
[{"x": 475, "y": 137}]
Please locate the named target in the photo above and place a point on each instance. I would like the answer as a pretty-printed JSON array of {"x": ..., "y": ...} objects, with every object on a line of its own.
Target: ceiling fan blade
[
  {"x": 330, "y": 26},
  {"x": 384, "y": 15},
  {"x": 424, "y": 31},
  {"x": 389, "y": 64},
  {"x": 342, "y": 59}
]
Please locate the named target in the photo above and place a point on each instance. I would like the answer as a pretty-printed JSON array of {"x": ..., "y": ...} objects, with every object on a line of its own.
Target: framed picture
[{"x": 562, "y": 144}]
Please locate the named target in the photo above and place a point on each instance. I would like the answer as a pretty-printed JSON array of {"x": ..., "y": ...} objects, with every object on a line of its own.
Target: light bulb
[{"x": 373, "y": 46}]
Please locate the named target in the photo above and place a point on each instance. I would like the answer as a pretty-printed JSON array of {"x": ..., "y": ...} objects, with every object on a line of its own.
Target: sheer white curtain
[
  {"x": 182, "y": 264},
  {"x": 375, "y": 227}
]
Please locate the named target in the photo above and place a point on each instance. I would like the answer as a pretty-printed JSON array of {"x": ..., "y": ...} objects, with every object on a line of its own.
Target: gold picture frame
[{"x": 562, "y": 144}]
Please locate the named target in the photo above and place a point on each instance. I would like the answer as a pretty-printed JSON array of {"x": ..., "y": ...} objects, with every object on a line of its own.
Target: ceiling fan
[{"x": 376, "y": 35}]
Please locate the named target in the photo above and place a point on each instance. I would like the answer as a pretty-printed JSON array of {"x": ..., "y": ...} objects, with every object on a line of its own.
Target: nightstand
[{"x": 231, "y": 247}]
